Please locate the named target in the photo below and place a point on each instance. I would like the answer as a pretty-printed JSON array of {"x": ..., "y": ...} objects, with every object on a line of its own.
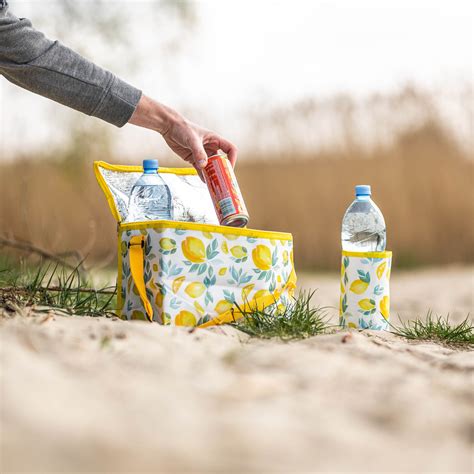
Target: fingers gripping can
[{"x": 225, "y": 192}]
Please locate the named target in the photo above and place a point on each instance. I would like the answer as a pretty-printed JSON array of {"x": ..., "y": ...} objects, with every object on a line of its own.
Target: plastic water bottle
[
  {"x": 150, "y": 198},
  {"x": 363, "y": 225}
]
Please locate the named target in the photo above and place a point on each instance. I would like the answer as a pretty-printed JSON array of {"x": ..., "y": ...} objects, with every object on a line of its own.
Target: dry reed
[{"x": 422, "y": 180}]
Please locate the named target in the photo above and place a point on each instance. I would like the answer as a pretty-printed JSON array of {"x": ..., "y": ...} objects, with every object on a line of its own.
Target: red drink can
[{"x": 225, "y": 192}]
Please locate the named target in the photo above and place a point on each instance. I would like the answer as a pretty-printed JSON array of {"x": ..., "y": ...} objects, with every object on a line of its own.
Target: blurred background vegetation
[{"x": 299, "y": 161}]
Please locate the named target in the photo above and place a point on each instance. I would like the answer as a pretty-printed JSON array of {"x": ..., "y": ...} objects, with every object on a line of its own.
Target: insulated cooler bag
[{"x": 192, "y": 271}]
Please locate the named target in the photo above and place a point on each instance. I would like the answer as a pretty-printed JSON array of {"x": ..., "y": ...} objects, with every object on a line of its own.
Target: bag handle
[{"x": 136, "y": 246}]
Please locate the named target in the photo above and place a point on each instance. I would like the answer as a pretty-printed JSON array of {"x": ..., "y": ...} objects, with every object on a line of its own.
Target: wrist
[{"x": 153, "y": 115}]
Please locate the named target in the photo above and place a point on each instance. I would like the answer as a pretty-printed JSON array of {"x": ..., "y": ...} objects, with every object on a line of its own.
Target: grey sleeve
[{"x": 32, "y": 61}]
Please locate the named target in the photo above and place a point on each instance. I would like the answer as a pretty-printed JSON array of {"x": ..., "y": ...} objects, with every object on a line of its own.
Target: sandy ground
[{"x": 83, "y": 394}]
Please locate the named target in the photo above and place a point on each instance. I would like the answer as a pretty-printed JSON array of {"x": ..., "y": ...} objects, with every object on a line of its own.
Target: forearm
[{"x": 30, "y": 60}]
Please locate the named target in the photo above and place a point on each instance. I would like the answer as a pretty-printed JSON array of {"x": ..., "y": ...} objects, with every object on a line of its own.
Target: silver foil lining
[{"x": 191, "y": 199}]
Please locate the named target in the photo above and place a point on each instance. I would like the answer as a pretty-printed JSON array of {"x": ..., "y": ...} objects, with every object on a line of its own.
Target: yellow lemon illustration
[
  {"x": 177, "y": 282},
  {"x": 238, "y": 251},
  {"x": 153, "y": 285},
  {"x": 199, "y": 308},
  {"x": 224, "y": 247},
  {"x": 167, "y": 244},
  {"x": 185, "y": 318},
  {"x": 281, "y": 308},
  {"x": 385, "y": 306},
  {"x": 262, "y": 257},
  {"x": 222, "y": 306},
  {"x": 381, "y": 269},
  {"x": 342, "y": 288},
  {"x": 231, "y": 236},
  {"x": 261, "y": 294},
  {"x": 358, "y": 287},
  {"x": 139, "y": 315},
  {"x": 195, "y": 289},
  {"x": 166, "y": 318},
  {"x": 285, "y": 257},
  {"x": 256, "y": 302},
  {"x": 246, "y": 291},
  {"x": 208, "y": 235},
  {"x": 366, "y": 304},
  {"x": 194, "y": 250},
  {"x": 222, "y": 271},
  {"x": 279, "y": 278},
  {"x": 352, "y": 325},
  {"x": 159, "y": 300},
  {"x": 155, "y": 267}
]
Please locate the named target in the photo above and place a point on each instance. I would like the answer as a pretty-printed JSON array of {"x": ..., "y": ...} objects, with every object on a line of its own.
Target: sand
[{"x": 84, "y": 394}]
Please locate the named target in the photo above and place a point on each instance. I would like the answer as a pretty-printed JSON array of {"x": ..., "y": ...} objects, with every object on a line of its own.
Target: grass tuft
[
  {"x": 51, "y": 287},
  {"x": 299, "y": 320},
  {"x": 438, "y": 329}
]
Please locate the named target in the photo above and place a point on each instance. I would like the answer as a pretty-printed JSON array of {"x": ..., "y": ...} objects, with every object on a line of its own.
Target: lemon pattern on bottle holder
[{"x": 364, "y": 301}]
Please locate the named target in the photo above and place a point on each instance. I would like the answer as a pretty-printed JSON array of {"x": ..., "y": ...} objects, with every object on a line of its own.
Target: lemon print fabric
[
  {"x": 262, "y": 257},
  {"x": 168, "y": 246},
  {"x": 364, "y": 300},
  {"x": 194, "y": 249},
  {"x": 192, "y": 276},
  {"x": 195, "y": 289},
  {"x": 177, "y": 282},
  {"x": 385, "y": 306},
  {"x": 185, "y": 318},
  {"x": 223, "y": 306}
]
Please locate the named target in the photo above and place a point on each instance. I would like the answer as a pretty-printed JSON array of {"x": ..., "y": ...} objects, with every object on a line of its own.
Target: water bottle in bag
[
  {"x": 363, "y": 225},
  {"x": 150, "y": 198}
]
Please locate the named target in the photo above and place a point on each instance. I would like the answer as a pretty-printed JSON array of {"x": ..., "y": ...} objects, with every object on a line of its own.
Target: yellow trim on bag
[
  {"x": 220, "y": 229},
  {"x": 106, "y": 190},
  {"x": 128, "y": 169},
  {"x": 385, "y": 254},
  {"x": 139, "y": 169}
]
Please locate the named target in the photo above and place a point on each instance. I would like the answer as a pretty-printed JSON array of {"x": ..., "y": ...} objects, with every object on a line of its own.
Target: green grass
[
  {"x": 53, "y": 287},
  {"x": 299, "y": 320},
  {"x": 438, "y": 329},
  {"x": 68, "y": 291}
]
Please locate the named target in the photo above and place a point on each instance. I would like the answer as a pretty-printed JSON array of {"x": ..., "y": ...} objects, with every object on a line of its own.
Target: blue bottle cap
[
  {"x": 363, "y": 190},
  {"x": 150, "y": 164}
]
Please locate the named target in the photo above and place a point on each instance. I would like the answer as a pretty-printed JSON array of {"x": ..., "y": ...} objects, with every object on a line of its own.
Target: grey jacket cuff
[{"x": 118, "y": 103}]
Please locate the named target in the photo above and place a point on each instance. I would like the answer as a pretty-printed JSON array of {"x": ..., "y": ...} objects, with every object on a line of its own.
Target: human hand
[{"x": 189, "y": 141}]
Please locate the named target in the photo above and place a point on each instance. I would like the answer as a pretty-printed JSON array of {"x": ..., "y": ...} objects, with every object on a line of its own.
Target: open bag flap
[{"x": 191, "y": 199}]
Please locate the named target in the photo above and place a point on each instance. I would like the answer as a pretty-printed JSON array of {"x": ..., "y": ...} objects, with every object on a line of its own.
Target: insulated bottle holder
[{"x": 365, "y": 290}]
